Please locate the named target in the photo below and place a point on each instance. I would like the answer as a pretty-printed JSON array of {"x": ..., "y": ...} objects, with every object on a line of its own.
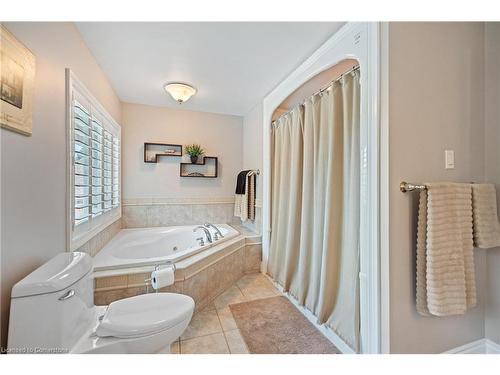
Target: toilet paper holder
[{"x": 157, "y": 267}]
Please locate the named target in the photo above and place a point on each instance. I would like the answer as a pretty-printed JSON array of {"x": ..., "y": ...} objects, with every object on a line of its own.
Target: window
[{"x": 94, "y": 165}]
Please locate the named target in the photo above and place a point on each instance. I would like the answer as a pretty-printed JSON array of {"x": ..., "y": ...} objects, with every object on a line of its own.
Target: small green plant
[{"x": 194, "y": 150}]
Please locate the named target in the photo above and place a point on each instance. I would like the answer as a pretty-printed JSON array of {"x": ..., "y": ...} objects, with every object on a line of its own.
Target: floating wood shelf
[
  {"x": 152, "y": 151},
  {"x": 210, "y": 164}
]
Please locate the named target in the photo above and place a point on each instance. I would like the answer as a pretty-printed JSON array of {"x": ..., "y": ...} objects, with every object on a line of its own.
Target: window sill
[{"x": 77, "y": 242}]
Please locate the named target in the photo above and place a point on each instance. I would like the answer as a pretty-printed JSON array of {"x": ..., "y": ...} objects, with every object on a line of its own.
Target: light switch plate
[{"x": 449, "y": 159}]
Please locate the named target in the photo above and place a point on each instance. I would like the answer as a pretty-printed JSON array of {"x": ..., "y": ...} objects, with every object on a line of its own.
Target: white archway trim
[{"x": 358, "y": 41}]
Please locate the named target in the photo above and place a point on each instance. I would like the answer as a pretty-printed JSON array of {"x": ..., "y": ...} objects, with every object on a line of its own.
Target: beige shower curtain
[{"x": 314, "y": 249}]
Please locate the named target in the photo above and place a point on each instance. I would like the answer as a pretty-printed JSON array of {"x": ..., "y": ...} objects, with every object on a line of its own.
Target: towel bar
[{"x": 405, "y": 187}]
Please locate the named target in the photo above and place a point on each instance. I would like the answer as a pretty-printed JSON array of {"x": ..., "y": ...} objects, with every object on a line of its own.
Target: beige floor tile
[
  {"x": 175, "y": 347},
  {"x": 258, "y": 293},
  {"x": 211, "y": 344},
  {"x": 253, "y": 281},
  {"x": 209, "y": 307},
  {"x": 232, "y": 295},
  {"x": 203, "y": 323},
  {"x": 226, "y": 319},
  {"x": 236, "y": 343}
]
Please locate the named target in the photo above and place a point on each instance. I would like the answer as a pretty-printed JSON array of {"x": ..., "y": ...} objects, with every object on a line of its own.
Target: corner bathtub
[{"x": 151, "y": 246}]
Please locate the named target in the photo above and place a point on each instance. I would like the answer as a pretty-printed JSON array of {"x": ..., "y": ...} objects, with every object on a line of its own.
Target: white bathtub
[{"x": 150, "y": 246}]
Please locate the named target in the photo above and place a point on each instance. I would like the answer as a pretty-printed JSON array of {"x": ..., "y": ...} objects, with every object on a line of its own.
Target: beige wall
[
  {"x": 219, "y": 135},
  {"x": 492, "y": 165},
  {"x": 33, "y": 168},
  {"x": 309, "y": 88},
  {"x": 436, "y": 96},
  {"x": 252, "y": 158}
]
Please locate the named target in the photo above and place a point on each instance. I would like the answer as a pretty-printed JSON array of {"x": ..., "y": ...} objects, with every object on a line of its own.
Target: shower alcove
[{"x": 355, "y": 44}]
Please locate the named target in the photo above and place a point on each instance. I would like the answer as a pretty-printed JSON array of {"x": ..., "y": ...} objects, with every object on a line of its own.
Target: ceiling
[{"x": 233, "y": 65}]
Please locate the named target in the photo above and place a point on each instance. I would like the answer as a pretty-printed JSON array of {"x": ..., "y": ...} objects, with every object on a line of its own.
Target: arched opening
[
  {"x": 356, "y": 44},
  {"x": 315, "y": 199},
  {"x": 314, "y": 84}
]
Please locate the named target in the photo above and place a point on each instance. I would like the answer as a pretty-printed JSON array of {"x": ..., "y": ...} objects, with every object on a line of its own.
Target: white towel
[
  {"x": 238, "y": 198},
  {"x": 445, "y": 262},
  {"x": 486, "y": 224}
]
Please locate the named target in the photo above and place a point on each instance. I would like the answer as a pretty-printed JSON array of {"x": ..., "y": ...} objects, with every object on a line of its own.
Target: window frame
[{"x": 77, "y": 236}]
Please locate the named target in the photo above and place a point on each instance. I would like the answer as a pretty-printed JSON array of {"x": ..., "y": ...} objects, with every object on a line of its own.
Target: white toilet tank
[{"x": 53, "y": 306}]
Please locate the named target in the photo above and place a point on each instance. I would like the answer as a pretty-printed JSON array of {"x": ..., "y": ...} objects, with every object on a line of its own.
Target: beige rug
[{"x": 275, "y": 326}]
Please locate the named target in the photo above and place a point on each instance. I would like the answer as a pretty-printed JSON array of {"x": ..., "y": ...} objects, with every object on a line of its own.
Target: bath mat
[{"x": 275, "y": 326}]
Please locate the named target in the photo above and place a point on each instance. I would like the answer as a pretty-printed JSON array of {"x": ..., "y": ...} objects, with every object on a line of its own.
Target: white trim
[
  {"x": 385, "y": 326},
  {"x": 358, "y": 41},
  {"x": 482, "y": 346},
  {"x": 174, "y": 201},
  {"x": 182, "y": 200},
  {"x": 81, "y": 240},
  {"x": 492, "y": 347},
  {"x": 69, "y": 161}
]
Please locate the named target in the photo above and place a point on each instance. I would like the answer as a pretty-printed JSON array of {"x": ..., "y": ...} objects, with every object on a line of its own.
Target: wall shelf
[
  {"x": 208, "y": 169},
  {"x": 153, "y": 151}
]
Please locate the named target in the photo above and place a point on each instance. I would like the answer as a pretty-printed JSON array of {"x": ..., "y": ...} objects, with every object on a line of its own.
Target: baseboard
[
  {"x": 492, "y": 347},
  {"x": 327, "y": 332},
  {"x": 482, "y": 346}
]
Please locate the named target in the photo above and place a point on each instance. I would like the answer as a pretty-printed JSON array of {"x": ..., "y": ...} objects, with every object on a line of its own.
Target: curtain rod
[{"x": 324, "y": 88}]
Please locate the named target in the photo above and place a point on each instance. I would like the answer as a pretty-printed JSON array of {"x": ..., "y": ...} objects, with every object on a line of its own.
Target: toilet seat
[{"x": 144, "y": 315}]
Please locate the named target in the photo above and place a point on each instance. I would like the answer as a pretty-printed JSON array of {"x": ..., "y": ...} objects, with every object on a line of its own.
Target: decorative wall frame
[{"x": 17, "y": 81}]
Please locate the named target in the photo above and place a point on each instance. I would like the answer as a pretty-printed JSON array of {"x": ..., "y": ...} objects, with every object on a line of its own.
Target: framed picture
[{"x": 17, "y": 80}]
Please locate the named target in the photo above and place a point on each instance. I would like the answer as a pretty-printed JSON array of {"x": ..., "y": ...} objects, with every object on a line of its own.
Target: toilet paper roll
[{"x": 162, "y": 278}]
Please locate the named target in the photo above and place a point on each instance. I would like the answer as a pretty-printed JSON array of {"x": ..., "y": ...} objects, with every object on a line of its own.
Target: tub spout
[
  {"x": 217, "y": 231},
  {"x": 207, "y": 233}
]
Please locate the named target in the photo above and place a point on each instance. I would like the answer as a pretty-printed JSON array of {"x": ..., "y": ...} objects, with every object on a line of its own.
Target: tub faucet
[
  {"x": 207, "y": 233},
  {"x": 217, "y": 231}
]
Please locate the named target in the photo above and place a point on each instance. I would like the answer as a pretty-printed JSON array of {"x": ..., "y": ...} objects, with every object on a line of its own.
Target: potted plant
[{"x": 194, "y": 151}]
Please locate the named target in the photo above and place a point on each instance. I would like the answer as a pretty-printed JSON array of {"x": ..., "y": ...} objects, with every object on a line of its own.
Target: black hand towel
[{"x": 241, "y": 182}]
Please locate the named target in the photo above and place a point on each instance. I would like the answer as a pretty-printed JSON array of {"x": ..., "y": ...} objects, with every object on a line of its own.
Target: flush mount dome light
[{"x": 181, "y": 92}]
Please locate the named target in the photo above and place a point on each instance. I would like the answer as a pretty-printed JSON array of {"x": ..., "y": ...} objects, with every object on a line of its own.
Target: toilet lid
[{"x": 145, "y": 314}]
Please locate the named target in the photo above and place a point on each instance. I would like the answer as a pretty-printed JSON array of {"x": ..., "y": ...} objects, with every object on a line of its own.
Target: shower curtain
[{"x": 315, "y": 210}]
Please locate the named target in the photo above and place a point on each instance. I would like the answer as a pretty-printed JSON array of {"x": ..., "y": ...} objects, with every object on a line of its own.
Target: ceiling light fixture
[{"x": 181, "y": 92}]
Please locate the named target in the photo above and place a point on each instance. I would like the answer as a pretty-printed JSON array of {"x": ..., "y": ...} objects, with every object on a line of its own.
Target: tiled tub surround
[
  {"x": 96, "y": 243},
  {"x": 255, "y": 225},
  {"x": 203, "y": 276},
  {"x": 162, "y": 212}
]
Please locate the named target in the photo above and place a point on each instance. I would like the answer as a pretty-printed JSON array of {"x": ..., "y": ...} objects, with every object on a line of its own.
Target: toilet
[{"x": 52, "y": 311}]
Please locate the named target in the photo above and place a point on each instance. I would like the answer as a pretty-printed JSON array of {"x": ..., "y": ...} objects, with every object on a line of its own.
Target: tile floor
[{"x": 213, "y": 329}]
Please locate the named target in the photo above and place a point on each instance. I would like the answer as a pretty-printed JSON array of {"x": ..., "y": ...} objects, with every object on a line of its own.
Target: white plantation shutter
[
  {"x": 81, "y": 160},
  {"x": 116, "y": 157},
  {"x": 94, "y": 176},
  {"x": 97, "y": 168}
]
